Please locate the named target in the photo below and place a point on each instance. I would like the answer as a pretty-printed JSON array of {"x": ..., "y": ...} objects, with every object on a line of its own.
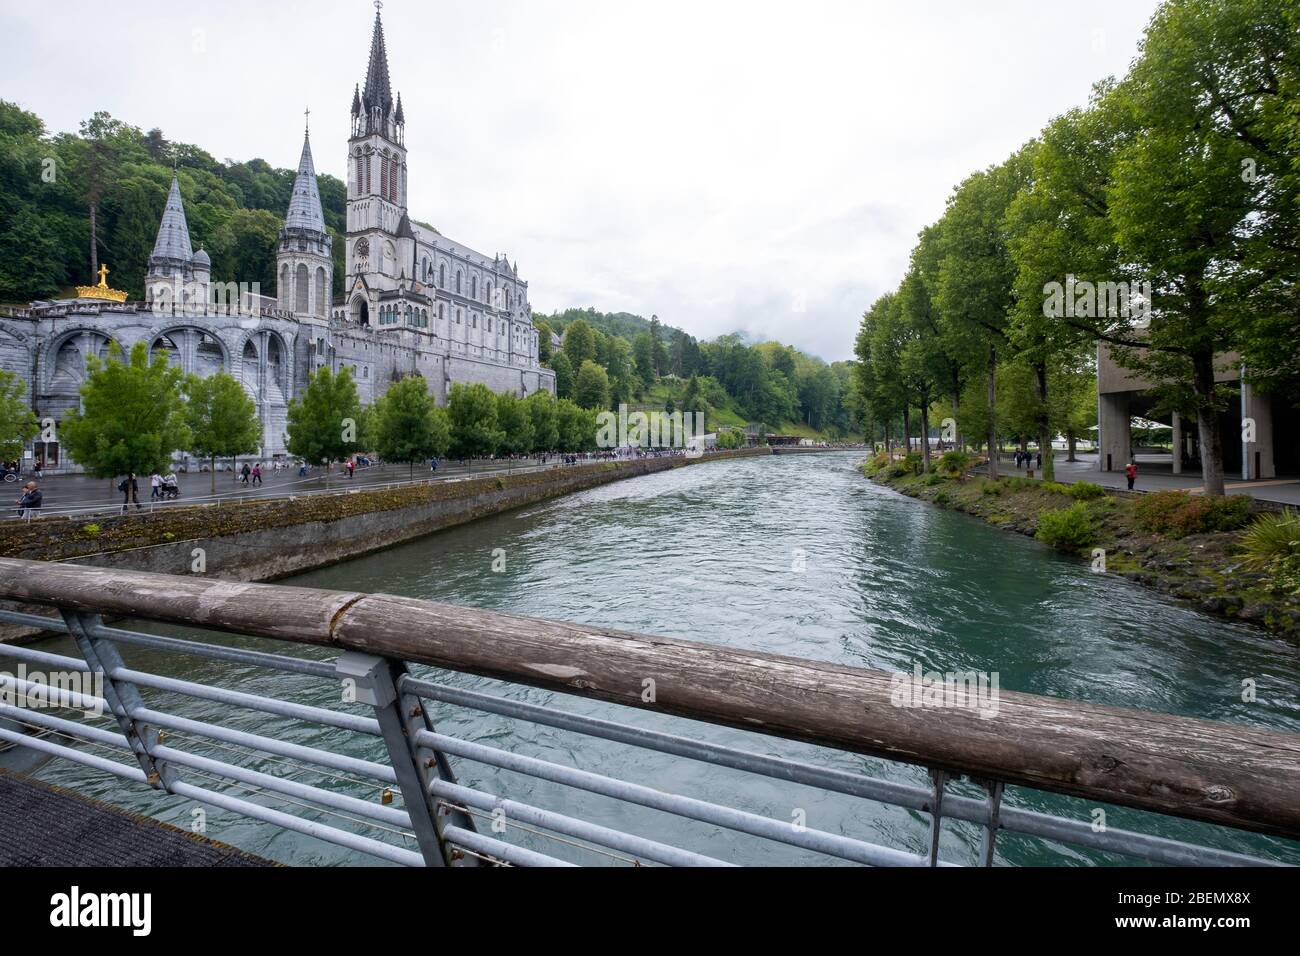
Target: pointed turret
[
  {"x": 174, "y": 232},
  {"x": 356, "y": 101},
  {"x": 304, "y": 207},
  {"x": 399, "y": 117},
  {"x": 378, "y": 90}
]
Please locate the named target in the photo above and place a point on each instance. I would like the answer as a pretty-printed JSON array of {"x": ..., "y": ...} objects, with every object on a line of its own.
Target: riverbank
[
  {"x": 1189, "y": 547},
  {"x": 264, "y": 540}
]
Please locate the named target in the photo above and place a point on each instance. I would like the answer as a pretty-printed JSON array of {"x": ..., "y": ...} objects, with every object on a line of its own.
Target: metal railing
[{"x": 384, "y": 783}]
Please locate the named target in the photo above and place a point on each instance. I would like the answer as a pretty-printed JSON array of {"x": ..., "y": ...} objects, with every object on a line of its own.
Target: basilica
[{"x": 414, "y": 301}]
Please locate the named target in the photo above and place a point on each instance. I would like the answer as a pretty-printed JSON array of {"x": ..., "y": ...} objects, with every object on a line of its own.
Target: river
[{"x": 797, "y": 555}]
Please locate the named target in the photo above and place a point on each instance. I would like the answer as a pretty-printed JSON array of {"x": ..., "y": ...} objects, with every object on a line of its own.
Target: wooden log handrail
[{"x": 1202, "y": 770}]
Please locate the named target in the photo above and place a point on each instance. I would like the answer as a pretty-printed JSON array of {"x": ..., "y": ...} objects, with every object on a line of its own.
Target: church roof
[
  {"x": 304, "y": 207},
  {"x": 174, "y": 232},
  {"x": 378, "y": 90}
]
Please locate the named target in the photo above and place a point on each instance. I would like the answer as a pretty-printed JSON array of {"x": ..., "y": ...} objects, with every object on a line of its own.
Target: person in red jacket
[{"x": 1131, "y": 473}]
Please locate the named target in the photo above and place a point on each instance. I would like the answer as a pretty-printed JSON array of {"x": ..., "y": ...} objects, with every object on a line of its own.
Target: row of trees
[
  {"x": 69, "y": 201},
  {"x": 599, "y": 367},
  {"x": 1183, "y": 179},
  {"x": 136, "y": 413}
]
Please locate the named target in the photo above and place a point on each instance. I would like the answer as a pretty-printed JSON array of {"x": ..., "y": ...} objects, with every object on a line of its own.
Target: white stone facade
[{"x": 414, "y": 303}]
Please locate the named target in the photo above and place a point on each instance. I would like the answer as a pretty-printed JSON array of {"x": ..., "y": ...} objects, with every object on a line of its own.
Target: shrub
[
  {"x": 934, "y": 478},
  {"x": 992, "y": 488},
  {"x": 942, "y": 498},
  {"x": 1068, "y": 529},
  {"x": 1054, "y": 488},
  {"x": 1272, "y": 538},
  {"x": 912, "y": 463},
  {"x": 1016, "y": 483},
  {"x": 1086, "y": 491},
  {"x": 92, "y": 529},
  {"x": 953, "y": 463},
  {"x": 880, "y": 461},
  {"x": 1178, "y": 514}
]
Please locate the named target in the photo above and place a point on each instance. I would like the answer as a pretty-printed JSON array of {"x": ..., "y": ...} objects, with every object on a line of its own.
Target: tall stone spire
[
  {"x": 379, "y": 94},
  {"x": 304, "y": 207},
  {"x": 174, "y": 232}
]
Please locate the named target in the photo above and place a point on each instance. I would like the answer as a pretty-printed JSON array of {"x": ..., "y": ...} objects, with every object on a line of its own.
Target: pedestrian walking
[
  {"x": 29, "y": 504},
  {"x": 39, "y": 470},
  {"x": 130, "y": 489},
  {"x": 155, "y": 487},
  {"x": 1131, "y": 473},
  {"x": 245, "y": 473},
  {"x": 257, "y": 473}
]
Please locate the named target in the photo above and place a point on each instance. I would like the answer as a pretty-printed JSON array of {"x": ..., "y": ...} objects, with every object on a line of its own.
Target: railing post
[
  {"x": 940, "y": 780},
  {"x": 994, "y": 789},
  {"x": 122, "y": 697},
  {"x": 375, "y": 680}
]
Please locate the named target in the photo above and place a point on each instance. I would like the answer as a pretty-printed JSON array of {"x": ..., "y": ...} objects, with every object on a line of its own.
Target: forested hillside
[
  {"x": 610, "y": 359},
  {"x": 53, "y": 187}
]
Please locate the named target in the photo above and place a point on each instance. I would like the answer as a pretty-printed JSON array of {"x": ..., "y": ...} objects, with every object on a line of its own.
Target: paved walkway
[
  {"x": 64, "y": 493},
  {"x": 44, "y": 825},
  {"x": 1156, "y": 473}
]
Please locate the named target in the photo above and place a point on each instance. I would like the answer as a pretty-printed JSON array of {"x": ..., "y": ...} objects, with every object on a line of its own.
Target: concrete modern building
[
  {"x": 1261, "y": 434},
  {"x": 414, "y": 302}
]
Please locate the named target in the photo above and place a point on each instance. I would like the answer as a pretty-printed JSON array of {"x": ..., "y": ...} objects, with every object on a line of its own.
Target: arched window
[
  {"x": 284, "y": 296},
  {"x": 383, "y": 176},
  {"x": 473, "y": 287},
  {"x": 458, "y": 282},
  {"x": 408, "y": 315},
  {"x": 320, "y": 291},
  {"x": 442, "y": 276},
  {"x": 301, "y": 288},
  {"x": 460, "y": 314}
]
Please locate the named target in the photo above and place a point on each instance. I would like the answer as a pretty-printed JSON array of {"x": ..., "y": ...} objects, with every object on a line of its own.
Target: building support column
[
  {"x": 1178, "y": 443},
  {"x": 1256, "y": 433},
  {"x": 1114, "y": 433}
]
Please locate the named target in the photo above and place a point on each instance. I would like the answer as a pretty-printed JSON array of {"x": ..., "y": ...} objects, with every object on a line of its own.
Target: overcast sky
[{"x": 730, "y": 166}]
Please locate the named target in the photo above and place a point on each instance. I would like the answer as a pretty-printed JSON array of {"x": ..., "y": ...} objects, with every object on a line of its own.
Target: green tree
[
  {"x": 591, "y": 389},
  {"x": 17, "y": 422},
  {"x": 563, "y": 370},
  {"x": 132, "y": 416},
  {"x": 472, "y": 410},
  {"x": 543, "y": 342},
  {"x": 515, "y": 423},
  {"x": 222, "y": 419},
  {"x": 643, "y": 354},
  {"x": 324, "y": 426},
  {"x": 407, "y": 426},
  {"x": 579, "y": 343},
  {"x": 577, "y": 426},
  {"x": 542, "y": 414}
]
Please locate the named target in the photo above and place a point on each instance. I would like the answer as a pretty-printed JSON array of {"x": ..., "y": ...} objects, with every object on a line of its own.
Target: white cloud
[{"x": 713, "y": 162}]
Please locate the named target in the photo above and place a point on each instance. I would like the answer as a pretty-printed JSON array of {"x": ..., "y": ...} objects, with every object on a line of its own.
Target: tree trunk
[
  {"x": 214, "y": 476},
  {"x": 958, "y": 442},
  {"x": 1207, "y": 421},
  {"x": 1072, "y": 439},
  {"x": 991, "y": 416},
  {"x": 907, "y": 431},
  {"x": 94, "y": 248},
  {"x": 888, "y": 451},
  {"x": 1044, "y": 423},
  {"x": 925, "y": 437}
]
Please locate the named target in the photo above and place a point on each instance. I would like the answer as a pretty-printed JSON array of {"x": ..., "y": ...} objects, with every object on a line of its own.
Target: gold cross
[{"x": 103, "y": 277}]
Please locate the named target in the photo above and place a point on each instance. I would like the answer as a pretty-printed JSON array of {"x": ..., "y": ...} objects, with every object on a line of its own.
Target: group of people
[
  {"x": 164, "y": 487},
  {"x": 1025, "y": 458},
  {"x": 250, "y": 475},
  {"x": 8, "y": 468}
]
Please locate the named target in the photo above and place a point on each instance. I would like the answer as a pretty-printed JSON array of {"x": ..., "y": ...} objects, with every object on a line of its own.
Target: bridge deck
[{"x": 44, "y": 825}]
